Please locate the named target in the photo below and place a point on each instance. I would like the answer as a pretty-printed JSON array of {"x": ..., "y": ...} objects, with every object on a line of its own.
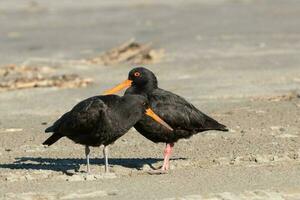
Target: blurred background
[{"x": 232, "y": 47}]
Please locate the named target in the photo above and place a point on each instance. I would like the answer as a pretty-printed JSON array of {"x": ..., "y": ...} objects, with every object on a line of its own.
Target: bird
[
  {"x": 101, "y": 120},
  {"x": 185, "y": 119}
]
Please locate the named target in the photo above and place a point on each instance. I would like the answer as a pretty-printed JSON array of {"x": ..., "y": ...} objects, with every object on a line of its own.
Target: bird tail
[
  {"x": 52, "y": 139},
  {"x": 49, "y": 129},
  {"x": 212, "y": 124},
  {"x": 222, "y": 127}
]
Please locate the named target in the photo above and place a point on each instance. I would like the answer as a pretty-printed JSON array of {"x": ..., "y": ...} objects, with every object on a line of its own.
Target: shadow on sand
[{"x": 65, "y": 164}]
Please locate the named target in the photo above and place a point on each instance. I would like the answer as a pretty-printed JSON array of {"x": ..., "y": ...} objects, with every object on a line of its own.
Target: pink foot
[
  {"x": 166, "y": 165},
  {"x": 167, "y": 155}
]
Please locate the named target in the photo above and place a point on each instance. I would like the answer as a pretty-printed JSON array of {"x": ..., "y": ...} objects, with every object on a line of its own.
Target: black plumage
[
  {"x": 99, "y": 120},
  {"x": 182, "y": 116}
]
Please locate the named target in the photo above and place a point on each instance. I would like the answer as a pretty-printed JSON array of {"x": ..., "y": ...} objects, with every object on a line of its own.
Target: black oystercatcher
[
  {"x": 182, "y": 116},
  {"x": 101, "y": 120}
]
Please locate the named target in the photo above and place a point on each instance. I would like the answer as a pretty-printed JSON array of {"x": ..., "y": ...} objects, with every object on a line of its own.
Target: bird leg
[
  {"x": 87, "y": 152},
  {"x": 167, "y": 155},
  {"x": 105, "y": 154}
]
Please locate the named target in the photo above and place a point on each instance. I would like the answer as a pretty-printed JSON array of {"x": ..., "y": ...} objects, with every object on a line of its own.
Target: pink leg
[{"x": 167, "y": 155}]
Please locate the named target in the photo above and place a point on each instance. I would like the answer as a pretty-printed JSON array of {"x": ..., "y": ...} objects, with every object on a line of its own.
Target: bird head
[{"x": 139, "y": 77}]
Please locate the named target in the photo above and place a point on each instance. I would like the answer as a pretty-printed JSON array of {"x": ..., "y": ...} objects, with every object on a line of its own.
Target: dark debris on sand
[{"x": 283, "y": 97}]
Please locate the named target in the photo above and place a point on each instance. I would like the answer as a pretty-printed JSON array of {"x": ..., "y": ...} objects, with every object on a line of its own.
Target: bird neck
[
  {"x": 146, "y": 88},
  {"x": 127, "y": 113}
]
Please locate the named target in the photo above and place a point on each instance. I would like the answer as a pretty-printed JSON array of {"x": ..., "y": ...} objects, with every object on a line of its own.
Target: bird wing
[
  {"x": 84, "y": 117},
  {"x": 180, "y": 114}
]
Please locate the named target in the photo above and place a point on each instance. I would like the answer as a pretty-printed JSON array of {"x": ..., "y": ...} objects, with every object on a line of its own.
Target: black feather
[
  {"x": 49, "y": 129},
  {"x": 98, "y": 120},
  {"x": 182, "y": 116},
  {"x": 52, "y": 139}
]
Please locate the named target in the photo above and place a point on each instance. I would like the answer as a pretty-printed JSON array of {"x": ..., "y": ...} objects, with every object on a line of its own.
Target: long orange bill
[
  {"x": 119, "y": 87},
  {"x": 150, "y": 113}
]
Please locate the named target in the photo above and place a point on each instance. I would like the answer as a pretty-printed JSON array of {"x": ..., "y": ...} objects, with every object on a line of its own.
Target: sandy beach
[{"x": 237, "y": 61}]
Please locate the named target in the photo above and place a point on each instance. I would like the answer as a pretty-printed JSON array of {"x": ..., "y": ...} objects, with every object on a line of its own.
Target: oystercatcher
[
  {"x": 101, "y": 120},
  {"x": 185, "y": 119}
]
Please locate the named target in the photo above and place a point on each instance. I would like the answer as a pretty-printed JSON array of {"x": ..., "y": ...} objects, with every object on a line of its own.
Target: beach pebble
[
  {"x": 262, "y": 158},
  {"x": 146, "y": 167},
  {"x": 13, "y": 130},
  {"x": 286, "y": 136},
  {"x": 89, "y": 177},
  {"x": 107, "y": 175},
  {"x": 75, "y": 178},
  {"x": 277, "y": 128}
]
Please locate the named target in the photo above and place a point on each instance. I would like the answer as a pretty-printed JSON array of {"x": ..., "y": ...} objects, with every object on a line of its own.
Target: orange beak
[
  {"x": 121, "y": 86},
  {"x": 150, "y": 113}
]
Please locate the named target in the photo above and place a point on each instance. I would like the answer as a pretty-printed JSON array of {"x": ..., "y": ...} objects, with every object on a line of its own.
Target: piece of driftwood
[
  {"x": 13, "y": 77},
  {"x": 131, "y": 52}
]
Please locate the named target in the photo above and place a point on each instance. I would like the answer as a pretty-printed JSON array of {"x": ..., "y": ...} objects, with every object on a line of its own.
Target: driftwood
[
  {"x": 131, "y": 52},
  {"x": 13, "y": 77}
]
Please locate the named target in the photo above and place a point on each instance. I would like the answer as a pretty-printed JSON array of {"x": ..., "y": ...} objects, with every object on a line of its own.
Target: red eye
[{"x": 137, "y": 74}]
